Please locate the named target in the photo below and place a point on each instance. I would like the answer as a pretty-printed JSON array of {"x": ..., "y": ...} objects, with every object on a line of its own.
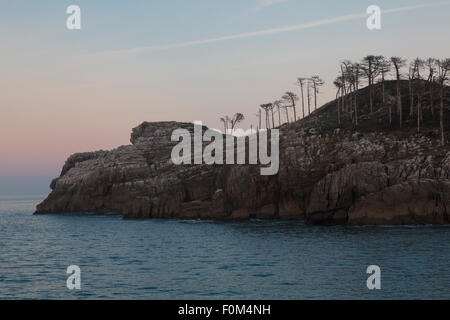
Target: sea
[{"x": 174, "y": 259}]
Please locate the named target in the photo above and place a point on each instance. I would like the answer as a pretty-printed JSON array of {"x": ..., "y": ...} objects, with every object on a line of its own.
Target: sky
[{"x": 65, "y": 91}]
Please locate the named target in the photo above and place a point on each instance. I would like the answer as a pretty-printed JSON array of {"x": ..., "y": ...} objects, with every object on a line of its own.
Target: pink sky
[{"x": 56, "y": 99}]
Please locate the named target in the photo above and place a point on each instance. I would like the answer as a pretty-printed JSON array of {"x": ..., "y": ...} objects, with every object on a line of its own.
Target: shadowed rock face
[{"x": 325, "y": 177}]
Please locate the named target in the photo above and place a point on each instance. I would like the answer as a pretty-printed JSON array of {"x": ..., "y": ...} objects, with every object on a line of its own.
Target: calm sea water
[{"x": 213, "y": 260}]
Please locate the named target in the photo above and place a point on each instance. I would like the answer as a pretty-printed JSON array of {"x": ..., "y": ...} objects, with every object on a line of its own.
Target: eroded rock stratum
[{"x": 325, "y": 177}]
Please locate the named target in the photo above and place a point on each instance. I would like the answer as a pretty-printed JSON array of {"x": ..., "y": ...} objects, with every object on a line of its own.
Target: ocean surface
[{"x": 171, "y": 259}]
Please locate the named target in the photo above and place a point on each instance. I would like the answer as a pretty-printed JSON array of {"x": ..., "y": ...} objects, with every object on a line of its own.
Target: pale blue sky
[{"x": 69, "y": 91}]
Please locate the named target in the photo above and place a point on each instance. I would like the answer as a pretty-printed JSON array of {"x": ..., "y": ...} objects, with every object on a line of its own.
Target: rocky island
[{"x": 372, "y": 173}]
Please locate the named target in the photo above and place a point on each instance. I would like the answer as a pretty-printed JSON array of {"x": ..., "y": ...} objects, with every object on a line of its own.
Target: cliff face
[{"x": 326, "y": 177}]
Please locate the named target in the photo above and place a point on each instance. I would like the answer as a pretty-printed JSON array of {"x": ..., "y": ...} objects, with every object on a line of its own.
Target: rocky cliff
[{"x": 326, "y": 176}]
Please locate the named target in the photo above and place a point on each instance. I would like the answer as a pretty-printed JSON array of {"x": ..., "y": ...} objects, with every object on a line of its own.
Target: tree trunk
[
  {"x": 315, "y": 97},
  {"x": 418, "y": 113},
  {"x": 356, "y": 105},
  {"x": 309, "y": 102},
  {"x": 411, "y": 99},
  {"x": 351, "y": 103},
  {"x": 260, "y": 119},
  {"x": 441, "y": 114},
  {"x": 399, "y": 100},
  {"x": 279, "y": 117},
  {"x": 273, "y": 119},
  {"x": 295, "y": 113},
  {"x": 303, "y": 100},
  {"x": 371, "y": 85},
  {"x": 383, "y": 85},
  {"x": 371, "y": 95},
  {"x": 338, "y": 109}
]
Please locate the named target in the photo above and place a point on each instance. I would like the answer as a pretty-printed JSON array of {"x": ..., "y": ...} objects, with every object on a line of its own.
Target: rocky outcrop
[
  {"x": 412, "y": 191},
  {"x": 410, "y": 202},
  {"x": 325, "y": 177}
]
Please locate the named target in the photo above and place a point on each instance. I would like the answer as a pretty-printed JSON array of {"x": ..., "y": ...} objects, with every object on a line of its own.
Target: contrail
[{"x": 284, "y": 29}]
